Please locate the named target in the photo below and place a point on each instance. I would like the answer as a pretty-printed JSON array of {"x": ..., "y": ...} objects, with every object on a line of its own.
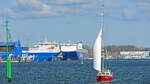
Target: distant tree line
[{"x": 118, "y": 48}]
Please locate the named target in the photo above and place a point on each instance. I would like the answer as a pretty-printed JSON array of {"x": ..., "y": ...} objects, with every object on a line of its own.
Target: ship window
[
  {"x": 103, "y": 73},
  {"x": 107, "y": 73}
]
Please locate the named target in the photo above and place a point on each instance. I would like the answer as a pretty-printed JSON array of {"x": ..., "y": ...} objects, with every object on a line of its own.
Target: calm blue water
[{"x": 72, "y": 72}]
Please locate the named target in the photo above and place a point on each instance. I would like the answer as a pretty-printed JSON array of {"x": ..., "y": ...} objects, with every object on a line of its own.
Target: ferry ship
[
  {"x": 73, "y": 51},
  {"x": 43, "y": 51}
]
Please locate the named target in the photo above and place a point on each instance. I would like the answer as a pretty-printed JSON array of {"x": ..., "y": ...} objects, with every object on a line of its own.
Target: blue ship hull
[
  {"x": 74, "y": 55},
  {"x": 70, "y": 55}
]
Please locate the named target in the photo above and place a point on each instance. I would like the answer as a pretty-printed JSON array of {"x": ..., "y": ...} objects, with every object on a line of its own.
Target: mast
[
  {"x": 97, "y": 48},
  {"x": 102, "y": 17},
  {"x": 102, "y": 27}
]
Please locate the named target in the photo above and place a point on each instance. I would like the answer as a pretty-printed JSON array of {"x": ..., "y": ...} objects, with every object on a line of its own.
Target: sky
[{"x": 126, "y": 22}]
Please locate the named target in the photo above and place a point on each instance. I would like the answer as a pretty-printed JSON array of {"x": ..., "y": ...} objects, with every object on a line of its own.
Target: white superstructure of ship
[
  {"x": 42, "y": 51},
  {"x": 73, "y": 51}
]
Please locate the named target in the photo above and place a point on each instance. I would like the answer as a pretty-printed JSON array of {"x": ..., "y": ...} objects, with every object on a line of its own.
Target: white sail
[
  {"x": 97, "y": 52},
  {"x": 97, "y": 48}
]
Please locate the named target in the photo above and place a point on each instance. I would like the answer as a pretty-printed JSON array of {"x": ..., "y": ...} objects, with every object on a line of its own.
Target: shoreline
[
  {"x": 11, "y": 61},
  {"x": 69, "y": 60}
]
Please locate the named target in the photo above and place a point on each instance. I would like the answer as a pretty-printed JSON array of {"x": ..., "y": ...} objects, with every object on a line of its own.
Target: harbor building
[{"x": 135, "y": 54}]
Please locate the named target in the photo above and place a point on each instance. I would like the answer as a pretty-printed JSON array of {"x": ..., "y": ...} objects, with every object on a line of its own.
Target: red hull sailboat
[{"x": 103, "y": 75}]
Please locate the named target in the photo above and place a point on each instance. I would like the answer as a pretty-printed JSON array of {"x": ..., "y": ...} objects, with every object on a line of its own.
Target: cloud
[
  {"x": 109, "y": 4},
  {"x": 39, "y": 8},
  {"x": 89, "y": 5},
  {"x": 67, "y": 1},
  {"x": 50, "y": 8},
  {"x": 46, "y": 10},
  {"x": 65, "y": 10},
  {"x": 28, "y": 9},
  {"x": 129, "y": 14},
  {"x": 144, "y": 5},
  {"x": 7, "y": 12},
  {"x": 36, "y": 8},
  {"x": 144, "y": 8},
  {"x": 32, "y": 3}
]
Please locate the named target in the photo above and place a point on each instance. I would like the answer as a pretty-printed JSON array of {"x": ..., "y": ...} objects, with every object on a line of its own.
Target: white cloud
[
  {"x": 67, "y": 1},
  {"x": 89, "y": 5},
  {"x": 39, "y": 8},
  {"x": 144, "y": 5},
  {"x": 64, "y": 10},
  {"x": 45, "y": 11},
  {"x": 32, "y": 3},
  {"x": 28, "y": 9},
  {"x": 98, "y": 4},
  {"x": 109, "y": 4},
  {"x": 129, "y": 14},
  {"x": 7, "y": 12},
  {"x": 144, "y": 8}
]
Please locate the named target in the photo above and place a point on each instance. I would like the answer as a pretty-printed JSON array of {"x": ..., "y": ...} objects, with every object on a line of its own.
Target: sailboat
[{"x": 103, "y": 75}]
